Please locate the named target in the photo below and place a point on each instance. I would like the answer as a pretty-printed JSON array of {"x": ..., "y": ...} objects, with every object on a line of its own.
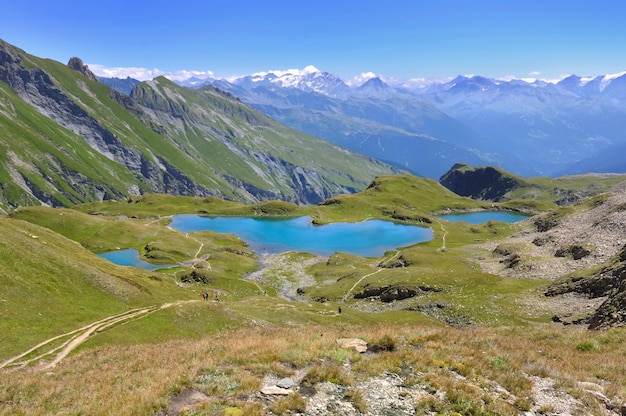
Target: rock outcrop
[
  {"x": 486, "y": 183},
  {"x": 77, "y": 65},
  {"x": 590, "y": 239}
]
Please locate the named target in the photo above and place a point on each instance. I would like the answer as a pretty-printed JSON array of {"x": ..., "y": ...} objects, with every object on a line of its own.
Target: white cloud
[
  {"x": 309, "y": 69},
  {"x": 143, "y": 74},
  {"x": 361, "y": 78}
]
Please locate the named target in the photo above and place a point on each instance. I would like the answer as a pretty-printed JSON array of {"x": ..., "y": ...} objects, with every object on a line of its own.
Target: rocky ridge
[{"x": 590, "y": 236}]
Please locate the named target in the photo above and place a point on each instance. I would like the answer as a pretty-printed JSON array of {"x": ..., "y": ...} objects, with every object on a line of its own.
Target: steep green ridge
[
  {"x": 491, "y": 183},
  {"x": 67, "y": 139}
]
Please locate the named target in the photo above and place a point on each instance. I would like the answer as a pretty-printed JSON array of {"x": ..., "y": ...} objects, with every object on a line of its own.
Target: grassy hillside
[{"x": 69, "y": 139}]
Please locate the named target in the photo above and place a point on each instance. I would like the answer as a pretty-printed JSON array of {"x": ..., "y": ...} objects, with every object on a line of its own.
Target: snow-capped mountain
[
  {"x": 592, "y": 85},
  {"x": 528, "y": 127},
  {"x": 309, "y": 79}
]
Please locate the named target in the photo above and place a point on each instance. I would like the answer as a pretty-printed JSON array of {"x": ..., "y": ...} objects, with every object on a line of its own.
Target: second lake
[
  {"x": 370, "y": 238},
  {"x": 484, "y": 216}
]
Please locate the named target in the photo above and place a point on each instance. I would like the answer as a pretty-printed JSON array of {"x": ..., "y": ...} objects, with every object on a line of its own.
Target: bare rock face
[
  {"x": 575, "y": 251},
  {"x": 77, "y": 65},
  {"x": 389, "y": 294}
]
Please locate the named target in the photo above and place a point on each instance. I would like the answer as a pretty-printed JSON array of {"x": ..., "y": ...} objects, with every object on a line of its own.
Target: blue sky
[{"x": 396, "y": 39}]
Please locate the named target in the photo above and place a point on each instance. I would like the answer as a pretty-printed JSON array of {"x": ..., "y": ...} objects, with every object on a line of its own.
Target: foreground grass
[{"x": 229, "y": 366}]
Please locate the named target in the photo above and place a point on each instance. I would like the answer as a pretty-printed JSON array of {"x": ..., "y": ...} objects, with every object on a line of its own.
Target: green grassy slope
[
  {"x": 238, "y": 142},
  {"x": 50, "y": 285}
]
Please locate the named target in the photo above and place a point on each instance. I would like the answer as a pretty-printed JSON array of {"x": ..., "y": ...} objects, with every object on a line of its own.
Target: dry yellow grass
[{"x": 140, "y": 379}]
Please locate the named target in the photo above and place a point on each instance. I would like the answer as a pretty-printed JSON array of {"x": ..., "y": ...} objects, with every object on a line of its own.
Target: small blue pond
[
  {"x": 368, "y": 238},
  {"x": 130, "y": 257},
  {"x": 484, "y": 216}
]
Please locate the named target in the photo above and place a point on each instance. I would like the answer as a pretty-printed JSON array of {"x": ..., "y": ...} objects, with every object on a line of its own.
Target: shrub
[
  {"x": 356, "y": 397},
  {"x": 292, "y": 403},
  {"x": 386, "y": 343},
  {"x": 586, "y": 346}
]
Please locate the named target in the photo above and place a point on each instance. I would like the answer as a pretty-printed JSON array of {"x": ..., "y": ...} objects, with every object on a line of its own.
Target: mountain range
[
  {"x": 68, "y": 138},
  {"x": 533, "y": 128}
]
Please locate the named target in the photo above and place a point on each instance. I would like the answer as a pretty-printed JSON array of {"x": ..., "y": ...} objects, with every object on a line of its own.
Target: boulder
[
  {"x": 275, "y": 391},
  {"x": 352, "y": 343}
]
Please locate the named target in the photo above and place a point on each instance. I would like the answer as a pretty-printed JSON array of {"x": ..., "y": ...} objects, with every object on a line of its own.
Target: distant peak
[
  {"x": 307, "y": 70},
  {"x": 374, "y": 82}
]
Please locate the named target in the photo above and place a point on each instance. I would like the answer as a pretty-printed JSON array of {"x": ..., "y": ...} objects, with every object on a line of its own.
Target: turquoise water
[
  {"x": 484, "y": 216},
  {"x": 368, "y": 238},
  {"x": 130, "y": 257}
]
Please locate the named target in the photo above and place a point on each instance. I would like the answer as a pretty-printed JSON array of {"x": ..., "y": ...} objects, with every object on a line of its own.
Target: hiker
[
  {"x": 339, "y": 309},
  {"x": 217, "y": 297}
]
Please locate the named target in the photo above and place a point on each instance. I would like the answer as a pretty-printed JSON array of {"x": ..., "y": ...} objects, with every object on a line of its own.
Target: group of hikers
[{"x": 205, "y": 296}]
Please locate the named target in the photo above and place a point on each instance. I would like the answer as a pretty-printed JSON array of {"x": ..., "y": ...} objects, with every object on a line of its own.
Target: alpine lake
[{"x": 370, "y": 238}]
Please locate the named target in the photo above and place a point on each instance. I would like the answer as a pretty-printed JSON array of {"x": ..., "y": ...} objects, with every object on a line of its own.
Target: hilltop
[{"x": 490, "y": 183}]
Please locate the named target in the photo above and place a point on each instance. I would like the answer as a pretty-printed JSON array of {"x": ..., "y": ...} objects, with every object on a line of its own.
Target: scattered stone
[
  {"x": 352, "y": 343},
  {"x": 286, "y": 383}
]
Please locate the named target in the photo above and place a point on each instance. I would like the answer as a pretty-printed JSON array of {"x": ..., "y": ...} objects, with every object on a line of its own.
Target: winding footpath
[
  {"x": 443, "y": 238},
  {"x": 78, "y": 336},
  {"x": 343, "y": 299}
]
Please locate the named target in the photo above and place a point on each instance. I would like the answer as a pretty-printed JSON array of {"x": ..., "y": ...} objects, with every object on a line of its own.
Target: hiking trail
[{"x": 78, "y": 336}]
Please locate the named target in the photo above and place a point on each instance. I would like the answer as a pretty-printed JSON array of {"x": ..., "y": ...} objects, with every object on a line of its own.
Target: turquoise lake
[
  {"x": 264, "y": 235},
  {"x": 130, "y": 257},
  {"x": 484, "y": 216}
]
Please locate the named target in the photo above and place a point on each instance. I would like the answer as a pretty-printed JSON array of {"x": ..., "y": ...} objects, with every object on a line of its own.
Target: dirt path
[
  {"x": 443, "y": 238},
  {"x": 78, "y": 336}
]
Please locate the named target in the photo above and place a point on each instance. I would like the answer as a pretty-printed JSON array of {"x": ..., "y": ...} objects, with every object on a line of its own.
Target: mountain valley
[{"x": 494, "y": 318}]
